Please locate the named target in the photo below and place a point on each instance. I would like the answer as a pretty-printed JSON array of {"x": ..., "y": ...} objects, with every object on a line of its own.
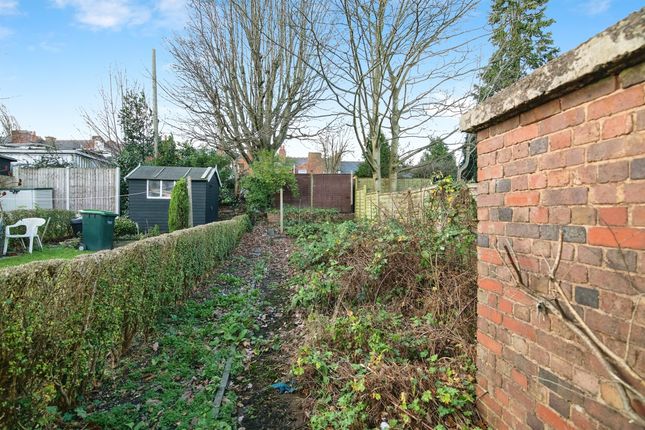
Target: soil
[{"x": 259, "y": 405}]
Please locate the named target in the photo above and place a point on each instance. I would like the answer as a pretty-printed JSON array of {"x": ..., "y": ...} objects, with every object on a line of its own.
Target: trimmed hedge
[
  {"x": 59, "y": 224},
  {"x": 63, "y": 321}
]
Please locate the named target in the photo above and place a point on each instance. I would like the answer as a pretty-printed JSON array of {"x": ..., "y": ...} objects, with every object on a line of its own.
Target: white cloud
[
  {"x": 596, "y": 7},
  {"x": 5, "y": 32},
  {"x": 106, "y": 14},
  {"x": 172, "y": 13},
  {"x": 8, "y": 7}
]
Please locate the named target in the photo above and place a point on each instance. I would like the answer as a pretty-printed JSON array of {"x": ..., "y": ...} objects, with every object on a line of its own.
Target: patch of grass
[
  {"x": 173, "y": 384},
  {"x": 48, "y": 253}
]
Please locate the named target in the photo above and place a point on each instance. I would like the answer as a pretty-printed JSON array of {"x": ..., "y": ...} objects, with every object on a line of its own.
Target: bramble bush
[
  {"x": 124, "y": 226},
  {"x": 59, "y": 227},
  {"x": 64, "y": 321},
  {"x": 391, "y": 318},
  {"x": 267, "y": 175}
]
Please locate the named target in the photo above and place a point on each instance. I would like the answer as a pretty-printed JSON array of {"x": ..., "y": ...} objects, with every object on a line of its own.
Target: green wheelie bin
[{"x": 98, "y": 229}]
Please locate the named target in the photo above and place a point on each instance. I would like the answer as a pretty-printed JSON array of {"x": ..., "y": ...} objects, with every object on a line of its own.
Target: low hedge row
[
  {"x": 63, "y": 321},
  {"x": 59, "y": 227}
]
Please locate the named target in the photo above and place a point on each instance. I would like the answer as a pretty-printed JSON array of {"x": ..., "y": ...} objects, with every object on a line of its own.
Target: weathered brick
[
  {"x": 521, "y": 134},
  {"x": 621, "y": 259},
  {"x": 487, "y": 200},
  {"x": 560, "y": 405},
  {"x": 489, "y": 145},
  {"x": 526, "y": 198},
  {"x": 559, "y": 215},
  {"x": 539, "y": 215},
  {"x": 521, "y": 214},
  {"x": 558, "y": 385},
  {"x": 616, "y": 102},
  {"x": 624, "y": 237},
  {"x": 558, "y": 178},
  {"x": 549, "y": 232},
  {"x": 519, "y": 167},
  {"x": 586, "y": 174},
  {"x": 637, "y": 168},
  {"x": 537, "y": 181},
  {"x": 639, "y": 122},
  {"x": 504, "y": 155},
  {"x": 520, "y": 183},
  {"x": 539, "y": 146},
  {"x": 489, "y": 313},
  {"x": 638, "y": 216},
  {"x": 632, "y": 76},
  {"x": 489, "y": 343},
  {"x": 522, "y": 230},
  {"x": 483, "y": 240},
  {"x": 502, "y": 185},
  {"x": 560, "y": 140},
  {"x": 583, "y": 215},
  {"x": 610, "y": 280},
  {"x": 561, "y": 121},
  {"x": 587, "y": 297},
  {"x": 589, "y": 92},
  {"x": 490, "y": 172},
  {"x": 612, "y": 216},
  {"x": 574, "y": 234},
  {"x": 586, "y": 133},
  {"x": 501, "y": 214},
  {"x": 634, "y": 192},
  {"x": 605, "y": 193},
  {"x": 613, "y": 171},
  {"x": 616, "y": 126},
  {"x": 491, "y": 285},
  {"x": 590, "y": 255},
  {"x": 489, "y": 256},
  {"x": 566, "y": 196},
  {"x": 628, "y": 146},
  {"x": 520, "y": 150},
  {"x": 540, "y": 112},
  {"x": 505, "y": 126}
]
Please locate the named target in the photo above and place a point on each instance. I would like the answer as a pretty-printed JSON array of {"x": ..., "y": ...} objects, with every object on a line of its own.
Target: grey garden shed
[{"x": 149, "y": 189}]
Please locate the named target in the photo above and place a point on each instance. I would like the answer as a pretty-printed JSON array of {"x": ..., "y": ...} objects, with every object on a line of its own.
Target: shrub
[
  {"x": 268, "y": 174},
  {"x": 124, "y": 226},
  {"x": 63, "y": 321},
  {"x": 59, "y": 227},
  {"x": 179, "y": 210}
]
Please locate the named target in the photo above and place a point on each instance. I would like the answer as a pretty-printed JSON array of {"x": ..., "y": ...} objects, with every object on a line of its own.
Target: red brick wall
[{"x": 575, "y": 164}]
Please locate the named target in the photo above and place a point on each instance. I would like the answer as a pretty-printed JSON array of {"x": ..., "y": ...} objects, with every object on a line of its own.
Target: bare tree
[
  {"x": 333, "y": 142},
  {"x": 244, "y": 75},
  {"x": 8, "y": 123},
  {"x": 104, "y": 121},
  {"x": 398, "y": 59}
]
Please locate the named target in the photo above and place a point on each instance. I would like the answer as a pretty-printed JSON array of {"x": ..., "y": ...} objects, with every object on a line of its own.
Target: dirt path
[
  {"x": 170, "y": 380},
  {"x": 259, "y": 405}
]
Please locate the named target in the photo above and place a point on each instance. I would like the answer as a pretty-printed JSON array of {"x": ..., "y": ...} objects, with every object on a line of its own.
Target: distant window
[
  {"x": 160, "y": 189},
  {"x": 301, "y": 171}
]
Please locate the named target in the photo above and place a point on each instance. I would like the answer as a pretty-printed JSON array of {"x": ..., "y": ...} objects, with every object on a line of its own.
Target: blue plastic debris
[{"x": 283, "y": 387}]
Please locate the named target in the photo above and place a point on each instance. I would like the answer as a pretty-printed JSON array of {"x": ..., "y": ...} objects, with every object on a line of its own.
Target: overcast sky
[{"x": 55, "y": 54}]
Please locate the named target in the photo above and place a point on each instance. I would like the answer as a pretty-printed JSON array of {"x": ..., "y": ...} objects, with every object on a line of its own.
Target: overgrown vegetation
[
  {"x": 179, "y": 207},
  {"x": 267, "y": 175},
  {"x": 391, "y": 319},
  {"x": 124, "y": 227},
  {"x": 172, "y": 383},
  {"x": 65, "y": 321},
  {"x": 59, "y": 227}
]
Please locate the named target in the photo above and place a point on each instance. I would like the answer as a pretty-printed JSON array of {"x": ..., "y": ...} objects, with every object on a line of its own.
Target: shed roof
[
  {"x": 173, "y": 173},
  {"x": 6, "y": 157}
]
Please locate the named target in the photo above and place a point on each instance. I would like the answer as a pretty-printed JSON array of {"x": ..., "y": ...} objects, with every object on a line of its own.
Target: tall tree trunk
[{"x": 395, "y": 129}]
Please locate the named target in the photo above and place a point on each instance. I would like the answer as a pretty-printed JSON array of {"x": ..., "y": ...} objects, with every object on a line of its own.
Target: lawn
[{"x": 46, "y": 254}]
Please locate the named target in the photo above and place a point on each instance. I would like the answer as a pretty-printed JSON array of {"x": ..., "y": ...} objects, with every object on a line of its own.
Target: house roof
[
  {"x": 173, "y": 173},
  {"x": 349, "y": 166}
]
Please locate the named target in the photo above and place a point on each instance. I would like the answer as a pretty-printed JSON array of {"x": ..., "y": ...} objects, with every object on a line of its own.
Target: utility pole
[{"x": 155, "y": 112}]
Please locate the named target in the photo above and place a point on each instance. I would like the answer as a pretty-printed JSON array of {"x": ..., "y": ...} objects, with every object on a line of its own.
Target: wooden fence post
[
  {"x": 311, "y": 190},
  {"x": 117, "y": 188},
  {"x": 67, "y": 188},
  {"x": 281, "y": 210}
]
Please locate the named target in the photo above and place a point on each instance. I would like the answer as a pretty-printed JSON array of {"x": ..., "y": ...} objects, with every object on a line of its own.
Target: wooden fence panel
[
  {"x": 322, "y": 191},
  {"x": 75, "y": 188}
]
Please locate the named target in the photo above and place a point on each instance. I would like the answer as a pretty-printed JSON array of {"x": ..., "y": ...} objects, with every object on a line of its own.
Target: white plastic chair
[{"x": 31, "y": 225}]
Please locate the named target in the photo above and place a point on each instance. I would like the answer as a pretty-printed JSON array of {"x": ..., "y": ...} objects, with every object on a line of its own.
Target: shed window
[{"x": 160, "y": 189}]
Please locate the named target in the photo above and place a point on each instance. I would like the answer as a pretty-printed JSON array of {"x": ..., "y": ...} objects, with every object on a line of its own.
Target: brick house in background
[{"x": 562, "y": 152}]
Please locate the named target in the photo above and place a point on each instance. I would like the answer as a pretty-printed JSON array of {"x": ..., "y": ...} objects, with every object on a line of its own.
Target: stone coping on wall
[{"x": 620, "y": 46}]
